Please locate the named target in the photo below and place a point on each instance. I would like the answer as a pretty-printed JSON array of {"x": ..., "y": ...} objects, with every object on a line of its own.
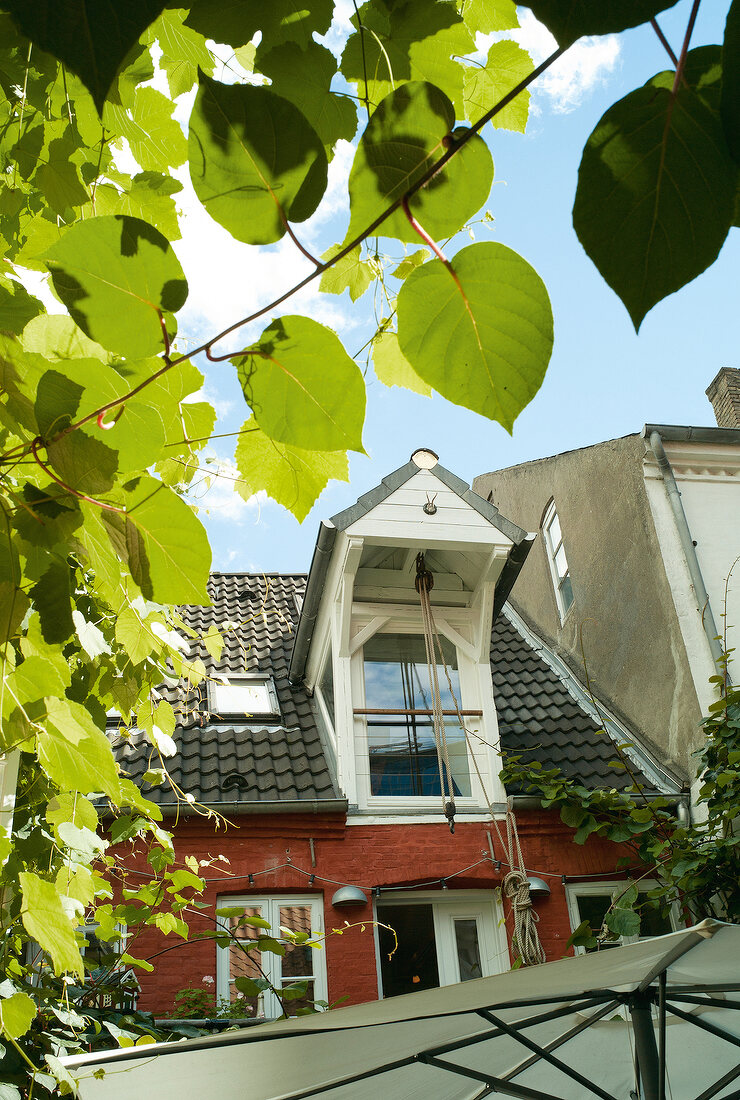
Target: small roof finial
[{"x": 425, "y": 458}]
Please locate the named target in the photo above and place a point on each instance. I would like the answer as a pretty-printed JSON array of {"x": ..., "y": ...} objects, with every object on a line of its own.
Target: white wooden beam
[
  {"x": 367, "y": 632},
  {"x": 456, "y": 638},
  {"x": 350, "y": 566}
]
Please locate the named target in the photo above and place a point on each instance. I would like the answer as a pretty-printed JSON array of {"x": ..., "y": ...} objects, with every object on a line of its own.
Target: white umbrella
[{"x": 656, "y": 1020}]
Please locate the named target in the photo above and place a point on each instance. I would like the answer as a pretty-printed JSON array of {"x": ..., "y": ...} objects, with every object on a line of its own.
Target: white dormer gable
[{"x": 360, "y": 643}]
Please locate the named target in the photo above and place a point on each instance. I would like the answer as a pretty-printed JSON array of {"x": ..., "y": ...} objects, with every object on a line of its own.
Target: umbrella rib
[
  {"x": 714, "y": 1002},
  {"x": 728, "y": 1078},
  {"x": 542, "y": 1052},
  {"x": 561, "y": 1040},
  {"x": 687, "y": 943},
  {"x": 498, "y": 1084},
  {"x": 704, "y": 1025}
]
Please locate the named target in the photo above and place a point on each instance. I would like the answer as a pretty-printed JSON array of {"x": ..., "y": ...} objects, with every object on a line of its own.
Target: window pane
[
  {"x": 297, "y": 962},
  {"x": 403, "y": 756},
  {"x": 566, "y": 593},
  {"x": 413, "y": 966},
  {"x": 468, "y": 951},
  {"x": 243, "y": 963},
  {"x": 326, "y": 686},
  {"x": 653, "y": 922},
  {"x": 553, "y": 530},
  {"x": 561, "y": 565},
  {"x": 242, "y": 698},
  {"x": 292, "y": 1006},
  {"x": 593, "y": 908}
]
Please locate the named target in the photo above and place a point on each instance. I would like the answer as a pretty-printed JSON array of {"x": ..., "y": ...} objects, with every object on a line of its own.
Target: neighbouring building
[
  {"x": 314, "y": 736},
  {"x": 629, "y": 579}
]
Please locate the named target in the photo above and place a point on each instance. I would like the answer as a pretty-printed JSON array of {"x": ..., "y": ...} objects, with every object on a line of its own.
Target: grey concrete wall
[{"x": 622, "y": 610}]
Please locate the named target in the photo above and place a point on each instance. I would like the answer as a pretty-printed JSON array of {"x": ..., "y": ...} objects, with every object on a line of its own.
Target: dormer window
[
  {"x": 241, "y": 698},
  {"x": 557, "y": 559},
  {"x": 398, "y": 707}
]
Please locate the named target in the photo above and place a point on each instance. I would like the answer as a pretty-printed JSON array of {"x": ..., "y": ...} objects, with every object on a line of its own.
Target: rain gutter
[{"x": 312, "y": 600}]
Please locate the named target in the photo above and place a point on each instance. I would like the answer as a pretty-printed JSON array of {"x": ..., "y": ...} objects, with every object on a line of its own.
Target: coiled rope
[{"x": 515, "y": 886}]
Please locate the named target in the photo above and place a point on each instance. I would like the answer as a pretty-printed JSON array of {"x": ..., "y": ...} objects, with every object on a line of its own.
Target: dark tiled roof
[
  {"x": 539, "y": 717},
  {"x": 221, "y": 762}
]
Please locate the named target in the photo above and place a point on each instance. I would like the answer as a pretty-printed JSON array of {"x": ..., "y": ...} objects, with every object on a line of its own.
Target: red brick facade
[{"x": 363, "y": 855}]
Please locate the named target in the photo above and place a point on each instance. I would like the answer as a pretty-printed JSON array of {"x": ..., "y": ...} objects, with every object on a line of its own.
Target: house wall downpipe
[{"x": 687, "y": 545}]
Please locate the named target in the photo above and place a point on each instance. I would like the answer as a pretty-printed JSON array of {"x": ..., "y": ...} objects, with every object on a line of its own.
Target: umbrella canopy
[{"x": 657, "y": 1019}]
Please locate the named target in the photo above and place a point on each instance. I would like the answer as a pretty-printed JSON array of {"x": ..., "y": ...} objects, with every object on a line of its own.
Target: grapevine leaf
[
  {"x": 293, "y": 477},
  {"x": 170, "y": 558},
  {"x": 92, "y": 39},
  {"x": 51, "y": 597},
  {"x": 571, "y": 19},
  {"x": 47, "y": 923},
  {"x": 350, "y": 273},
  {"x": 235, "y": 22},
  {"x": 410, "y": 263},
  {"x": 392, "y": 368},
  {"x": 254, "y": 160},
  {"x": 485, "y": 16},
  {"x": 135, "y": 636},
  {"x": 304, "y": 77},
  {"x": 730, "y": 104},
  {"x": 404, "y": 137},
  {"x": 115, "y": 274},
  {"x": 303, "y": 388},
  {"x": 83, "y": 463},
  {"x": 485, "y": 344},
  {"x": 17, "y": 306},
  {"x": 408, "y": 41},
  {"x": 155, "y": 137},
  {"x": 58, "y": 178},
  {"x": 148, "y": 196},
  {"x": 56, "y": 336},
  {"x": 623, "y": 922},
  {"x": 656, "y": 192},
  {"x": 184, "y": 51},
  {"x": 506, "y": 65},
  {"x": 17, "y": 1013},
  {"x": 74, "y": 753}
]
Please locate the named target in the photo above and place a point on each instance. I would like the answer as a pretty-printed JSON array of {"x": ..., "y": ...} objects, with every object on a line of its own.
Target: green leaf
[
  {"x": 572, "y": 815},
  {"x": 17, "y": 1013},
  {"x": 155, "y": 137},
  {"x": 408, "y": 40},
  {"x": 485, "y": 16},
  {"x": 404, "y": 137},
  {"x": 84, "y": 463},
  {"x": 656, "y": 193},
  {"x": 170, "y": 559},
  {"x": 392, "y": 368},
  {"x": 254, "y": 160},
  {"x": 235, "y": 23},
  {"x": 293, "y": 477},
  {"x": 46, "y": 922},
  {"x": 484, "y": 343},
  {"x": 571, "y": 19},
  {"x": 350, "y": 273},
  {"x": 623, "y": 922},
  {"x": 135, "y": 636},
  {"x": 149, "y": 197},
  {"x": 115, "y": 274},
  {"x": 17, "y": 306},
  {"x": 248, "y": 987},
  {"x": 270, "y": 944},
  {"x": 73, "y": 808},
  {"x": 91, "y": 39},
  {"x": 74, "y": 753},
  {"x": 184, "y": 51},
  {"x": 51, "y": 596},
  {"x": 304, "y": 76},
  {"x": 303, "y": 388},
  {"x": 56, "y": 336},
  {"x": 410, "y": 263},
  {"x": 59, "y": 180},
  {"x": 506, "y": 65},
  {"x": 730, "y": 102}
]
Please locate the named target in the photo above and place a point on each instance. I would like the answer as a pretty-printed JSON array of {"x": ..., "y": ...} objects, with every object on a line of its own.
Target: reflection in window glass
[
  {"x": 468, "y": 949},
  {"x": 403, "y": 756},
  {"x": 326, "y": 686}
]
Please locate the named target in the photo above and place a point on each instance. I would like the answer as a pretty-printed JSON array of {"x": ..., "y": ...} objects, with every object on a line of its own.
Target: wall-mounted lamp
[
  {"x": 347, "y": 896},
  {"x": 538, "y": 888}
]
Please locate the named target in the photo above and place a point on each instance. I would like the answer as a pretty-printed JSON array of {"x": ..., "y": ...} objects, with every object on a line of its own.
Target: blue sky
[{"x": 603, "y": 380}]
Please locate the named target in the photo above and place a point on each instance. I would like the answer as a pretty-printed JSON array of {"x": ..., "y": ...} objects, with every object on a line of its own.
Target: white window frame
[
  {"x": 607, "y": 889},
  {"x": 248, "y": 680},
  {"x": 549, "y": 517},
  {"x": 468, "y": 700},
  {"x": 268, "y": 1005},
  {"x": 483, "y": 906}
]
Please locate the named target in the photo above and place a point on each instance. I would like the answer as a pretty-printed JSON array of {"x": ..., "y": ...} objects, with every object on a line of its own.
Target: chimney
[{"x": 724, "y": 393}]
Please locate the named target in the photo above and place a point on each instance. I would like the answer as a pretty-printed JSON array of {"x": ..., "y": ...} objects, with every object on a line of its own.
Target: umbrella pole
[{"x": 648, "y": 1063}]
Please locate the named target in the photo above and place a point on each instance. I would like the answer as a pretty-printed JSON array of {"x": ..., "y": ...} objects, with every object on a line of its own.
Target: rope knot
[{"x": 424, "y": 577}]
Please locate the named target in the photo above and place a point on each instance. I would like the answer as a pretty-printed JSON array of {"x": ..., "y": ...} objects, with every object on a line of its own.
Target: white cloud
[
  {"x": 586, "y": 64},
  {"x": 215, "y": 493}
]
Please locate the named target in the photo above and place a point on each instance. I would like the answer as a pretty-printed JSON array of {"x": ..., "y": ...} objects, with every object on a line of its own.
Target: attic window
[
  {"x": 244, "y": 697},
  {"x": 557, "y": 559}
]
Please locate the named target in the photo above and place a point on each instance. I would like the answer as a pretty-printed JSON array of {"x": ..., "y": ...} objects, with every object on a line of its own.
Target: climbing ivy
[{"x": 101, "y": 421}]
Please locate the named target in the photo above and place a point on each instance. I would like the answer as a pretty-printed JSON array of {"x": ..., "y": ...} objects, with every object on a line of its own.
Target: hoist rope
[{"x": 515, "y": 884}]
